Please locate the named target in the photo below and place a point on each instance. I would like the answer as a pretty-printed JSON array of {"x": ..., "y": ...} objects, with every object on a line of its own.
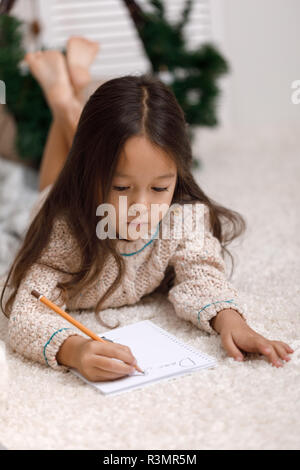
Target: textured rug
[{"x": 248, "y": 405}]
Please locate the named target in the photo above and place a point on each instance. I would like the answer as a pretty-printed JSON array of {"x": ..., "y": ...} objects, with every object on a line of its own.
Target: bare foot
[
  {"x": 50, "y": 69},
  {"x": 80, "y": 54}
]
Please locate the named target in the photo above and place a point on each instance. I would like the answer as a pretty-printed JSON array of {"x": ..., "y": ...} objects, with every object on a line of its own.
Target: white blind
[
  {"x": 198, "y": 28},
  {"x": 109, "y": 23}
]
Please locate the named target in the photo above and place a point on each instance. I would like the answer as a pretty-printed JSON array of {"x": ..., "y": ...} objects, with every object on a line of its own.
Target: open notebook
[{"x": 158, "y": 353}]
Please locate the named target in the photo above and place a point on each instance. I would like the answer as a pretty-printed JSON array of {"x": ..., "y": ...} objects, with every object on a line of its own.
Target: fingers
[
  {"x": 113, "y": 357},
  {"x": 231, "y": 348},
  {"x": 269, "y": 351},
  {"x": 282, "y": 350},
  {"x": 116, "y": 350},
  {"x": 274, "y": 351},
  {"x": 112, "y": 365},
  {"x": 102, "y": 375},
  {"x": 287, "y": 347}
]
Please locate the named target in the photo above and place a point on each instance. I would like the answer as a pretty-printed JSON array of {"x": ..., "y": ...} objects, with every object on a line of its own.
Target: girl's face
[{"x": 147, "y": 176}]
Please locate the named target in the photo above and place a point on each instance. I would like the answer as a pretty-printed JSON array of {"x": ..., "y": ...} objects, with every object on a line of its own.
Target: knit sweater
[{"x": 199, "y": 292}]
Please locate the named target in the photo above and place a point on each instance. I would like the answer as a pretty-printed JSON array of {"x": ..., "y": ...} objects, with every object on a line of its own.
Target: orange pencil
[{"x": 70, "y": 319}]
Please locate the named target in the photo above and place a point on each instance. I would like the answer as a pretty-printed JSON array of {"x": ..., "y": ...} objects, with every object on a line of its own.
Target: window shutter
[
  {"x": 109, "y": 23},
  {"x": 105, "y": 21}
]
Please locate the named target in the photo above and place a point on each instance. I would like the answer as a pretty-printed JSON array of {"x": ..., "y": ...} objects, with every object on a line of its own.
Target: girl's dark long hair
[{"x": 119, "y": 109}]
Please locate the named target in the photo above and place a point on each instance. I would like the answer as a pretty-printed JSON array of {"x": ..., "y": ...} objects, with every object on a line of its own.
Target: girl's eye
[
  {"x": 120, "y": 188},
  {"x": 123, "y": 188}
]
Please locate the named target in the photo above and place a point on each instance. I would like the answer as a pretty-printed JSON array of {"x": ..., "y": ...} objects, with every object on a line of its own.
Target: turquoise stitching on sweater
[
  {"x": 135, "y": 252},
  {"x": 50, "y": 340},
  {"x": 218, "y": 301},
  {"x": 150, "y": 241}
]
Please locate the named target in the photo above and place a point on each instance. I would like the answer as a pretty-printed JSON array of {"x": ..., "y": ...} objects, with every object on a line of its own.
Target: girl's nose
[{"x": 140, "y": 205}]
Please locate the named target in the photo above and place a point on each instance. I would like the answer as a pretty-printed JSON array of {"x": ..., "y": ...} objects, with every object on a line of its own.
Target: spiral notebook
[{"x": 159, "y": 354}]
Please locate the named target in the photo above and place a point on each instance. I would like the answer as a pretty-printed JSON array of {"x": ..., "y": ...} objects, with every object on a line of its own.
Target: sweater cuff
[
  {"x": 209, "y": 311},
  {"x": 53, "y": 345}
]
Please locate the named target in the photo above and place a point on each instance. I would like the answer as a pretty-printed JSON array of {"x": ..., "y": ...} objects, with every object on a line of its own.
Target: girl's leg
[
  {"x": 80, "y": 54},
  {"x": 64, "y": 97},
  {"x": 50, "y": 69},
  {"x": 54, "y": 155},
  {"x": 59, "y": 141}
]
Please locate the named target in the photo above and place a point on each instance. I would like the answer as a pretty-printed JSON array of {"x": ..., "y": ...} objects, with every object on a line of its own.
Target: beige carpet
[{"x": 249, "y": 405}]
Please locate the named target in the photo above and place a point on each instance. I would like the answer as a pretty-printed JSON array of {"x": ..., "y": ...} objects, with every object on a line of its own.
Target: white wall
[{"x": 261, "y": 40}]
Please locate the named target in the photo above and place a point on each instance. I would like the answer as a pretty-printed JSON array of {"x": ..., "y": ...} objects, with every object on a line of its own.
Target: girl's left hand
[{"x": 237, "y": 336}]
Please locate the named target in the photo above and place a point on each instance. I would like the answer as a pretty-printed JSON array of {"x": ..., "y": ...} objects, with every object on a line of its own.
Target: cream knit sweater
[{"x": 200, "y": 289}]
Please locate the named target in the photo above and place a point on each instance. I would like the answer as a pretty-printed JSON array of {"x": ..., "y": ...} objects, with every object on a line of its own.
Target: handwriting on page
[{"x": 186, "y": 362}]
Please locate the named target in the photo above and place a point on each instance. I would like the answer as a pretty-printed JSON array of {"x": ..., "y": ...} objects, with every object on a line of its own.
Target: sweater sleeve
[
  {"x": 34, "y": 330},
  {"x": 201, "y": 288}
]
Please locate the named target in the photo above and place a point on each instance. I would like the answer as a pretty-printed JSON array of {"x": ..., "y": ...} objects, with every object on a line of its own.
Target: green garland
[
  {"x": 192, "y": 75},
  {"x": 24, "y": 96}
]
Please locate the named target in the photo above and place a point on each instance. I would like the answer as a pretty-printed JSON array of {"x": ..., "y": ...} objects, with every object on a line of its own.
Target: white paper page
[{"x": 159, "y": 354}]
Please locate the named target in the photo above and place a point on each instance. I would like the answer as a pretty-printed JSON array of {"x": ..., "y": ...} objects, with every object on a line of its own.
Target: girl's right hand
[{"x": 97, "y": 361}]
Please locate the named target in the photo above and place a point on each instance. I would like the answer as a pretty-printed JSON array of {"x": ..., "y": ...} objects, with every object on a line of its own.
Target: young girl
[{"x": 127, "y": 147}]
